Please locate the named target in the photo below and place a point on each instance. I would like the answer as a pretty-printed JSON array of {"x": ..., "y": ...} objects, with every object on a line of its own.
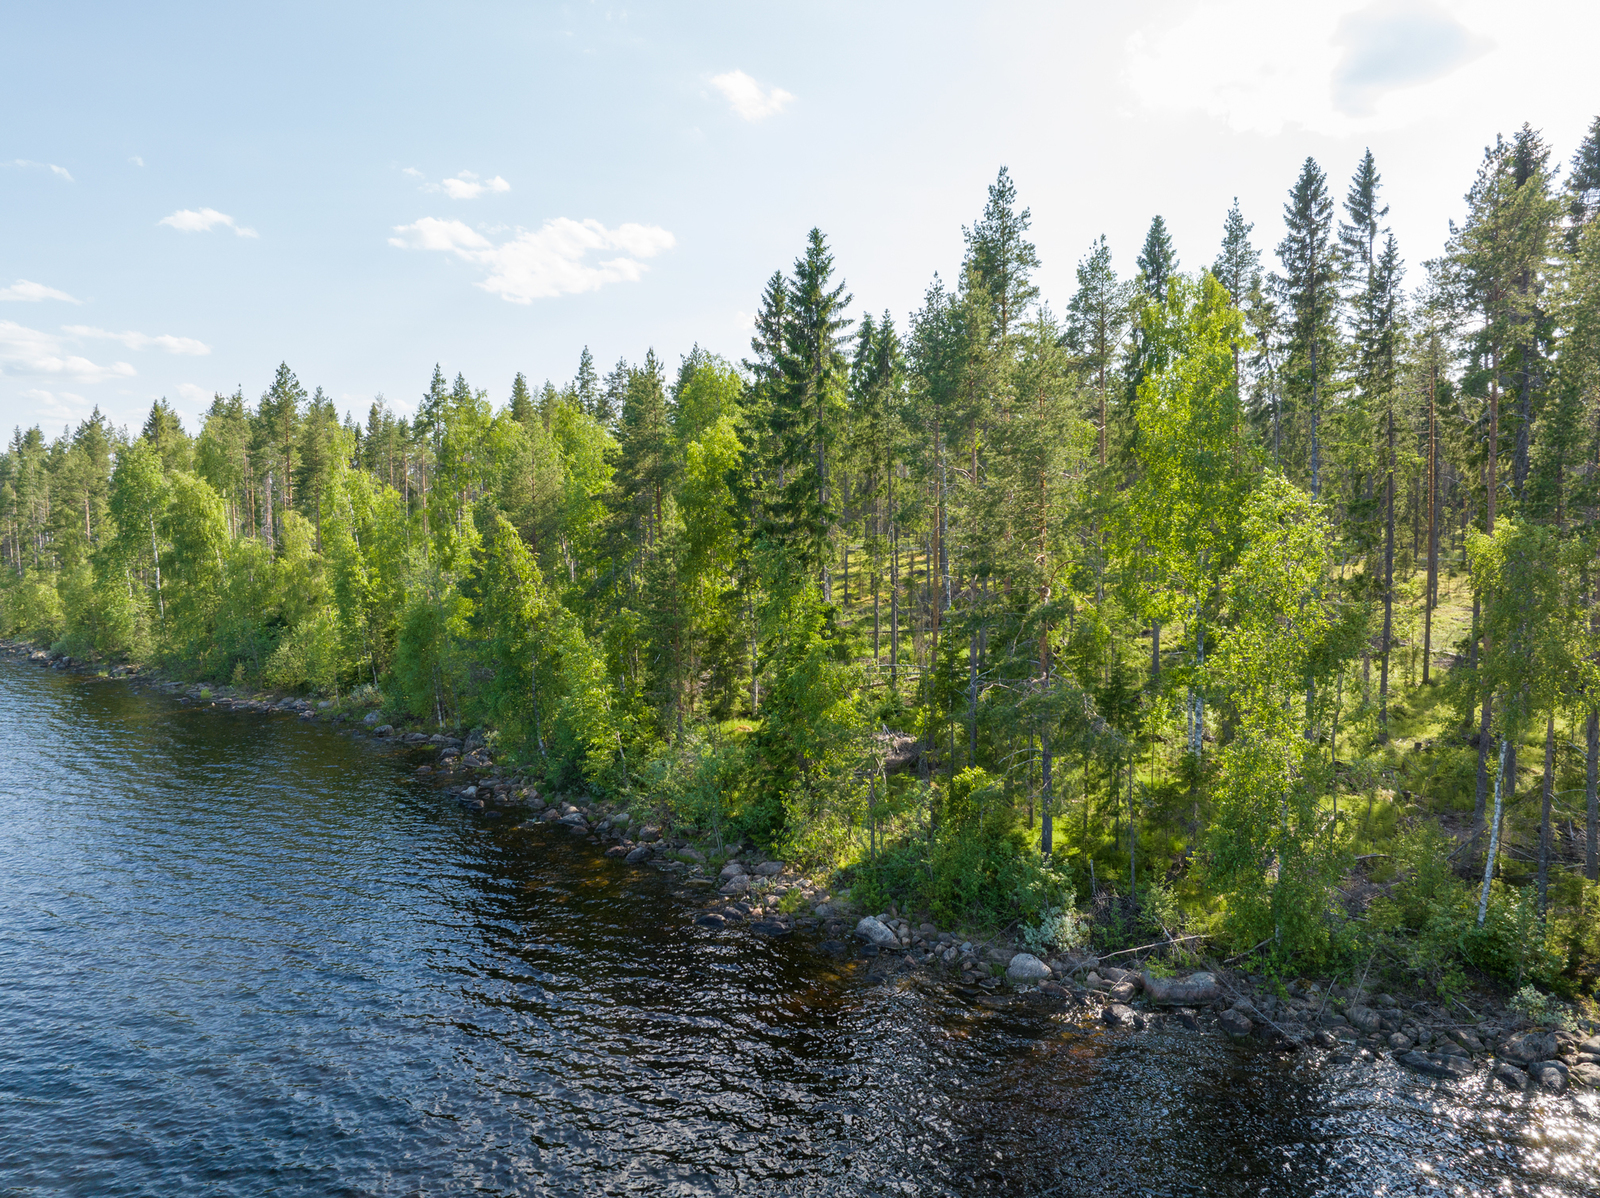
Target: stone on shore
[
  {"x": 1436, "y": 1064},
  {"x": 1121, "y": 1015},
  {"x": 1236, "y": 1023},
  {"x": 875, "y": 931},
  {"x": 769, "y": 869},
  {"x": 1527, "y": 1047},
  {"x": 1192, "y": 991},
  {"x": 1552, "y": 1075},
  {"x": 1511, "y": 1077},
  {"x": 1025, "y": 967},
  {"x": 731, "y": 870},
  {"x": 738, "y": 884},
  {"x": 637, "y": 854}
]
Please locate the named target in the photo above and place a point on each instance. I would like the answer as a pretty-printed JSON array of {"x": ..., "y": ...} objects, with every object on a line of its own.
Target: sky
[{"x": 191, "y": 194}]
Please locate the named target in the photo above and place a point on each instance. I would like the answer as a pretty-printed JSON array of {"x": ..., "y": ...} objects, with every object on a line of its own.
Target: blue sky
[{"x": 191, "y": 193}]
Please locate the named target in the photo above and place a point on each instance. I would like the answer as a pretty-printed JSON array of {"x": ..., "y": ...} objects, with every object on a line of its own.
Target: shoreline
[{"x": 741, "y": 888}]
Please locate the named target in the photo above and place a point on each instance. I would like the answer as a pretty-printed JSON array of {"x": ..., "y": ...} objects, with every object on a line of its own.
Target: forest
[{"x": 1253, "y": 604}]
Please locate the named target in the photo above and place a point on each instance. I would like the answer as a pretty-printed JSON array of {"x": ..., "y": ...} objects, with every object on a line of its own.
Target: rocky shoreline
[{"x": 738, "y": 889}]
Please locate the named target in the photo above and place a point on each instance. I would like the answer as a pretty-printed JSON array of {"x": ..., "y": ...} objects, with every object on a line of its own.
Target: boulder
[
  {"x": 1436, "y": 1064},
  {"x": 738, "y": 884},
  {"x": 649, "y": 832},
  {"x": 1236, "y": 1023},
  {"x": 769, "y": 869},
  {"x": 1123, "y": 991},
  {"x": 731, "y": 870},
  {"x": 1025, "y": 967},
  {"x": 1552, "y": 1075},
  {"x": 1527, "y": 1047},
  {"x": 875, "y": 931},
  {"x": 1511, "y": 1077},
  {"x": 1121, "y": 1015},
  {"x": 769, "y": 927},
  {"x": 637, "y": 854},
  {"x": 617, "y": 850},
  {"x": 692, "y": 855},
  {"x": 370, "y": 719},
  {"x": 1585, "y": 1075},
  {"x": 1191, "y": 991},
  {"x": 711, "y": 920},
  {"x": 1364, "y": 1019},
  {"x": 1466, "y": 1039}
]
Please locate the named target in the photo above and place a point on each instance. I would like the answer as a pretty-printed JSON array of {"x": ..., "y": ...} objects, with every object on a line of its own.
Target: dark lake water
[{"x": 245, "y": 955}]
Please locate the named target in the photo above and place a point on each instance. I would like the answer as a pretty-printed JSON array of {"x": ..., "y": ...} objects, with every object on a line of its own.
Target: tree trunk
[
  {"x": 1494, "y": 835},
  {"x": 1388, "y": 583},
  {"x": 1431, "y": 594},
  {"x": 1592, "y": 793},
  {"x": 1544, "y": 811}
]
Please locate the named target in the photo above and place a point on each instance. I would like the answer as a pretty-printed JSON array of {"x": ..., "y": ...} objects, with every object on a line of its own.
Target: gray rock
[
  {"x": 769, "y": 869},
  {"x": 370, "y": 718},
  {"x": 383, "y": 730},
  {"x": 769, "y": 927},
  {"x": 1400, "y": 1042},
  {"x": 1123, "y": 991},
  {"x": 875, "y": 931},
  {"x": 823, "y": 911},
  {"x": 1552, "y": 1075},
  {"x": 1436, "y": 1064},
  {"x": 1025, "y": 967},
  {"x": 1585, "y": 1075},
  {"x": 737, "y": 884},
  {"x": 1466, "y": 1040},
  {"x": 1121, "y": 1015},
  {"x": 1363, "y": 1019},
  {"x": 637, "y": 854},
  {"x": 711, "y": 920},
  {"x": 1527, "y": 1047},
  {"x": 649, "y": 832},
  {"x": 1236, "y": 1023},
  {"x": 731, "y": 870},
  {"x": 692, "y": 855},
  {"x": 1191, "y": 991},
  {"x": 1511, "y": 1077}
]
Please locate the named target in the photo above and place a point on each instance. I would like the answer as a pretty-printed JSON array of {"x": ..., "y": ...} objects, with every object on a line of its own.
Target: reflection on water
[{"x": 245, "y": 955}]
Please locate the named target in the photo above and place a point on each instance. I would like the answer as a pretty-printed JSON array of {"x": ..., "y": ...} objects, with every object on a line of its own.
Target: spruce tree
[
  {"x": 1000, "y": 255},
  {"x": 1308, "y": 288}
]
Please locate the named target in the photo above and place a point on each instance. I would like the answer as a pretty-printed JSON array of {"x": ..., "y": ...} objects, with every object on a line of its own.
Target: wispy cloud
[
  {"x": 465, "y": 185},
  {"x": 34, "y": 292},
  {"x": 747, "y": 97},
  {"x": 26, "y": 351},
  {"x": 136, "y": 160},
  {"x": 57, "y": 405},
  {"x": 187, "y": 346},
  {"x": 28, "y": 164},
  {"x": 187, "y": 220},
  {"x": 1260, "y": 66},
  {"x": 560, "y": 258}
]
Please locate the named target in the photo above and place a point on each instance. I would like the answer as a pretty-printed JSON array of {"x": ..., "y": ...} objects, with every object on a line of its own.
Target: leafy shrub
[
  {"x": 1059, "y": 928},
  {"x": 1541, "y": 1009}
]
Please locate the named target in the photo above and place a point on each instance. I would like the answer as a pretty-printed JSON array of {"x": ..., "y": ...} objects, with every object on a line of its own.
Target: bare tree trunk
[
  {"x": 1592, "y": 793},
  {"x": 1431, "y": 595},
  {"x": 1494, "y": 835},
  {"x": 1388, "y": 583},
  {"x": 1544, "y": 811}
]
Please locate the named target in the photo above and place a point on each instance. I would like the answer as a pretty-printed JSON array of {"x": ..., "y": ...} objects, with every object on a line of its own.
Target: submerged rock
[
  {"x": 1436, "y": 1064},
  {"x": 1236, "y": 1023},
  {"x": 1511, "y": 1077},
  {"x": 1552, "y": 1075}
]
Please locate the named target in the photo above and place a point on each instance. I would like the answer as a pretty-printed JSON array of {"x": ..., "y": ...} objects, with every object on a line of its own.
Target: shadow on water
[{"x": 246, "y": 955}]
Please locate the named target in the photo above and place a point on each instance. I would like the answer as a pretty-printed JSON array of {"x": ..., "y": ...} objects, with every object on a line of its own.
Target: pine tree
[
  {"x": 1096, "y": 318},
  {"x": 592, "y": 398},
  {"x": 1584, "y": 181},
  {"x": 522, "y": 406},
  {"x": 1238, "y": 262},
  {"x": 1000, "y": 256},
  {"x": 1309, "y": 290}
]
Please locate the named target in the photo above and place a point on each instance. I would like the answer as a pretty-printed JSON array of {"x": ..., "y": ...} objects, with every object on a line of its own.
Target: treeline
[{"x": 992, "y": 605}]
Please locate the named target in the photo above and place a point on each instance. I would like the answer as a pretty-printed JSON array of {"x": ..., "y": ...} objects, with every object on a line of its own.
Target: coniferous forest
[{"x": 1254, "y": 600}]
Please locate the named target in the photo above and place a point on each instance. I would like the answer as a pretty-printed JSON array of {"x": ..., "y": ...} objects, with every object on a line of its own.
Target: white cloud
[
  {"x": 28, "y": 164},
  {"x": 186, "y": 220},
  {"x": 136, "y": 160},
  {"x": 31, "y": 352},
  {"x": 465, "y": 186},
  {"x": 59, "y": 405},
  {"x": 187, "y": 346},
  {"x": 747, "y": 99},
  {"x": 34, "y": 292},
  {"x": 199, "y": 396},
  {"x": 1335, "y": 67},
  {"x": 558, "y": 259}
]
